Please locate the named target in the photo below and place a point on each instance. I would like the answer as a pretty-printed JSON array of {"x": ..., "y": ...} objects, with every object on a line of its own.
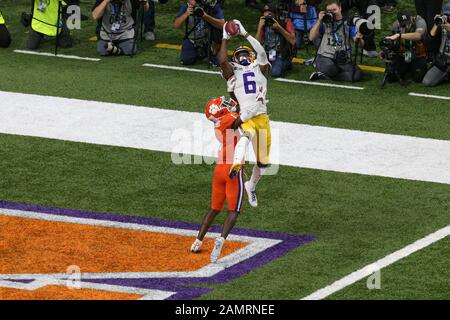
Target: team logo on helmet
[{"x": 216, "y": 109}]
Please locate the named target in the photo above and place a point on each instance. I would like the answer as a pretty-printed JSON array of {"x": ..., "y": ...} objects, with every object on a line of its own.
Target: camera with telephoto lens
[
  {"x": 269, "y": 21},
  {"x": 204, "y": 6},
  {"x": 328, "y": 17},
  {"x": 390, "y": 49},
  {"x": 362, "y": 26},
  {"x": 440, "y": 20},
  {"x": 391, "y": 55}
]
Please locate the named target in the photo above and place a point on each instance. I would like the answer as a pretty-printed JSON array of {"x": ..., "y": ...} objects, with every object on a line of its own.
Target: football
[{"x": 232, "y": 28}]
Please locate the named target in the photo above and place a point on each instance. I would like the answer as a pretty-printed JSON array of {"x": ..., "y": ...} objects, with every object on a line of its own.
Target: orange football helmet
[{"x": 217, "y": 108}]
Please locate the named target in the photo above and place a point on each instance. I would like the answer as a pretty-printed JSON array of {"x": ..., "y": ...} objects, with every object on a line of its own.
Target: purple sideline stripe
[{"x": 180, "y": 285}]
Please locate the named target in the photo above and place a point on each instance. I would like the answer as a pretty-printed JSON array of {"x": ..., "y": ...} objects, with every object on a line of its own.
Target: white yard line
[
  {"x": 320, "y": 84},
  {"x": 428, "y": 96},
  {"x": 47, "y": 54},
  {"x": 297, "y": 145},
  {"x": 161, "y": 66},
  {"x": 378, "y": 265}
]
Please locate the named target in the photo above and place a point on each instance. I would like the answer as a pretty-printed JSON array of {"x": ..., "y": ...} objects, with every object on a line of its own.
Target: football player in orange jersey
[{"x": 222, "y": 113}]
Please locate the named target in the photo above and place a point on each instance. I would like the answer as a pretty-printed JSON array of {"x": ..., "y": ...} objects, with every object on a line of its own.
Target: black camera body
[
  {"x": 198, "y": 10},
  {"x": 204, "y": 6},
  {"x": 440, "y": 20},
  {"x": 328, "y": 17},
  {"x": 269, "y": 21},
  {"x": 390, "y": 49}
]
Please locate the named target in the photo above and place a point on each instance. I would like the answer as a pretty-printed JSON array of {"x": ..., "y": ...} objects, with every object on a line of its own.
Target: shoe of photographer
[
  {"x": 371, "y": 54},
  {"x": 318, "y": 76},
  {"x": 149, "y": 36}
]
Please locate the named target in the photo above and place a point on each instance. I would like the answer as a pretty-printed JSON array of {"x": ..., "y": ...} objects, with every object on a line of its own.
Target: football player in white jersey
[{"x": 247, "y": 83}]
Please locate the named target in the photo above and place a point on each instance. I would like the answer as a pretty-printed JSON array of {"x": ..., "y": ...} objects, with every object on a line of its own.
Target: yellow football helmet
[{"x": 244, "y": 60}]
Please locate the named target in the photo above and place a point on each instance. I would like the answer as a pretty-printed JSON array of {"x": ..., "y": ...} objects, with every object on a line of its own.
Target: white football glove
[
  {"x": 225, "y": 35},
  {"x": 242, "y": 30},
  {"x": 231, "y": 83}
]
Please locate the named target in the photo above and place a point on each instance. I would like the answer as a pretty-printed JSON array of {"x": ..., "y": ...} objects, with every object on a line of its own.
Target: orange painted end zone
[
  {"x": 54, "y": 292},
  {"x": 36, "y": 246}
]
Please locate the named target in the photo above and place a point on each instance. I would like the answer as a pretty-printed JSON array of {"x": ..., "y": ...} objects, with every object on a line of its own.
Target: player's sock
[
  {"x": 218, "y": 245},
  {"x": 239, "y": 155},
  {"x": 256, "y": 176},
  {"x": 196, "y": 246}
]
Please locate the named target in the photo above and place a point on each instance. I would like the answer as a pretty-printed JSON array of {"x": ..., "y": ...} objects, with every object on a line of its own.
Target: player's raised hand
[
  {"x": 225, "y": 34},
  {"x": 242, "y": 30}
]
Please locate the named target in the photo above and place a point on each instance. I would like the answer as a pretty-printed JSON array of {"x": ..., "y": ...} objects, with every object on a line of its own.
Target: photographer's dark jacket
[
  {"x": 200, "y": 31},
  {"x": 274, "y": 41},
  {"x": 442, "y": 60},
  {"x": 117, "y": 21},
  {"x": 336, "y": 38}
]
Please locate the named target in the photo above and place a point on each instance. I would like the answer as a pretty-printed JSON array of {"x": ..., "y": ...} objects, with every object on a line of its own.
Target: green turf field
[{"x": 357, "y": 219}]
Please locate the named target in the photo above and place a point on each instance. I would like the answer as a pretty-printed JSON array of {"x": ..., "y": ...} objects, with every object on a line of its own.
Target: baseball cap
[
  {"x": 270, "y": 7},
  {"x": 404, "y": 17}
]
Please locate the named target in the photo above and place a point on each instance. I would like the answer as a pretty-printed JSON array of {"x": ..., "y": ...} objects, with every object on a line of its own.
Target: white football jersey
[{"x": 250, "y": 89}]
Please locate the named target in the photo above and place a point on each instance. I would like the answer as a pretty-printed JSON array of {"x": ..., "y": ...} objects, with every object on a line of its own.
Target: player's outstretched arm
[
  {"x": 227, "y": 70},
  {"x": 261, "y": 57}
]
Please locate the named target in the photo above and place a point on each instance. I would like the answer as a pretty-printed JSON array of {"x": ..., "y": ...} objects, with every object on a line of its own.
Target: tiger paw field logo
[{"x": 54, "y": 253}]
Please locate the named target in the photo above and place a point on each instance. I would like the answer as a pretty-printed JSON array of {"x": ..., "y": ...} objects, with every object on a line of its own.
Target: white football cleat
[
  {"x": 218, "y": 245},
  {"x": 196, "y": 246},
  {"x": 251, "y": 193}
]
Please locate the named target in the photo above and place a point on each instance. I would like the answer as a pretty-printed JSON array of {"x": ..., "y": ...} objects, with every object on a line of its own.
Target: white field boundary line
[
  {"x": 320, "y": 84},
  {"x": 47, "y": 54},
  {"x": 380, "y": 264},
  {"x": 413, "y": 94},
  {"x": 160, "y": 66},
  {"x": 190, "y": 133},
  {"x": 147, "y": 294}
]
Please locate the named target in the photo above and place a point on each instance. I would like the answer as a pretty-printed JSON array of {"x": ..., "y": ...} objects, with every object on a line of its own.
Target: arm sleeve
[
  {"x": 183, "y": 9},
  {"x": 421, "y": 27},
  {"x": 321, "y": 29},
  {"x": 352, "y": 31},
  {"x": 261, "y": 53},
  {"x": 290, "y": 26},
  {"x": 218, "y": 13}
]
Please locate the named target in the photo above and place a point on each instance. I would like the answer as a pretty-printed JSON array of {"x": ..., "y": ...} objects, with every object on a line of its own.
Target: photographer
[
  {"x": 5, "y": 37},
  {"x": 276, "y": 33},
  {"x": 411, "y": 59},
  {"x": 428, "y": 9},
  {"x": 44, "y": 22},
  {"x": 304, "y": 17},
  {"x": 117, "y": 34},
  {"x": 203, "y": 22},
  {"x": 334, "y": 56},
  {"x": 441, "y": 66},
  {"x": 362, "y": 7}
]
